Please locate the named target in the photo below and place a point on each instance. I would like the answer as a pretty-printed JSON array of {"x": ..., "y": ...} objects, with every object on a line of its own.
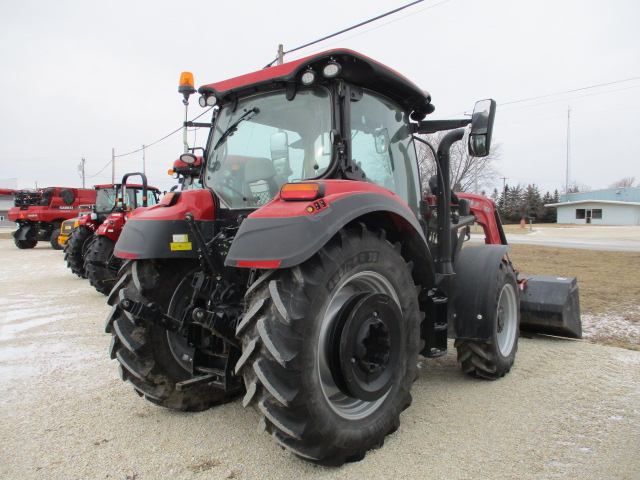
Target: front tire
[
  {"x": 492, "y": 359},
  {"x": 151, "y": 358},
  {"x": 76, "y": 249},
  {"x": 23, "y": 244},
  {"x": 54, "y": 236},
  {"x": 330, "y": 348},
  {"x": 101, "y": 265}
]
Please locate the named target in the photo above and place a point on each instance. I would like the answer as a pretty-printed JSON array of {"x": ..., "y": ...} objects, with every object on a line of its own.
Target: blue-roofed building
[{"x": 612, "y": 206}]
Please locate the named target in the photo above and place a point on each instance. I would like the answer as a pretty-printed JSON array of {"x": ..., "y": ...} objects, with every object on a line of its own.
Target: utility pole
[
  {"x": 566, "y": 184},
  {"x": 144, "y": 163},
  {"x": 81, "y": 170},
  {"x": 280, "y": 54},
  {"x": 504, "y": 190},
  {"x": 113, "y": 165}
]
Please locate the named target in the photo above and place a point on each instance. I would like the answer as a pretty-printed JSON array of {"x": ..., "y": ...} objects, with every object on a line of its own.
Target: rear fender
[
  {"x": 473, "y": 290},
  {"x": 160, "y": 231},
  {"x": 112, "y": 226},
  {"x": 283, "y": 234}
]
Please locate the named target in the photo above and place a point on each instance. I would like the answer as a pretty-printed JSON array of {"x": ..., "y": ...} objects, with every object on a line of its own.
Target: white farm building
[{"x": 613, "y": 206}]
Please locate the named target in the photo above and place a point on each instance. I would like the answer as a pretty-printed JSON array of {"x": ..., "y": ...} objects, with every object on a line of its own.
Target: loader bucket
[{"x": 550, "y": 305}]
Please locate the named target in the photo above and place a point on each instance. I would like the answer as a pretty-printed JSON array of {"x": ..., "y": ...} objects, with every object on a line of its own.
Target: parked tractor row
[
  {"x": 88, "y": 250},
  {"x": 310, "y": 271}
]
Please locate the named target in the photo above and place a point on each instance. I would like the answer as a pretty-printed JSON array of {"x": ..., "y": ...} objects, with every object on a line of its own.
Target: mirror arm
[{"x": 433, "y": 126}]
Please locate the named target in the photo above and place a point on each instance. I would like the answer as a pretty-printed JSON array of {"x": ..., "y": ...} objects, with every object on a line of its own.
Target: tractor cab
[{"x": 336, "y": 115}]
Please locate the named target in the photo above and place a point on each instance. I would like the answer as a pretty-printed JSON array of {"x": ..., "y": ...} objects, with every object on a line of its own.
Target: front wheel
[
  {"x": 101, "y": 265},
  {"x": 76, "y": 248},
  {"x": 55, "y": 233},
  {"x": 492, "y": 359},
  {"x": 23, "y": 244},
  {"x": 330, "y": 348}
]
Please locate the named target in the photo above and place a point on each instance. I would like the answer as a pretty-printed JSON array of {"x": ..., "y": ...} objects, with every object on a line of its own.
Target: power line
[
  {"x": 345, "y": 30},
  {"x": 92, "y": 176},
  {"x": 567, "y": 99},
  {"x": 161, "y": 139},
  {"x": 569, "y": 91},
  {"x": 384, "y": 24}
]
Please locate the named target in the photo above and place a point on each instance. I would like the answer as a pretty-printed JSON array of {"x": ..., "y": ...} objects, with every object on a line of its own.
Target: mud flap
[
  {"x": 550, "y": 305},
  {"x": 474, "y": 291}
]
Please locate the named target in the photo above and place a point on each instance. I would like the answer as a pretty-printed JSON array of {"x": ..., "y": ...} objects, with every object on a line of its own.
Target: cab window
[{"x": 382, "y": 146}]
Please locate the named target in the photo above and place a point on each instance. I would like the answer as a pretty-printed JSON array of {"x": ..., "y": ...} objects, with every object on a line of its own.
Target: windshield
[
  {"x": 268, "y": 141},
  {"x": 105, "y": 200},
  {"x": 135, "y": 200}
]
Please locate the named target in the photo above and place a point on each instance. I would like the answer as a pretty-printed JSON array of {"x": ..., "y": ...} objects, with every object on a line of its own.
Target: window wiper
[{"x": 248, "y": 115}]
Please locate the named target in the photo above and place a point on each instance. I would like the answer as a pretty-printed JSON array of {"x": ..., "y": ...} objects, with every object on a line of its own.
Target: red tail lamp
[{"x": 302, "y": 191}]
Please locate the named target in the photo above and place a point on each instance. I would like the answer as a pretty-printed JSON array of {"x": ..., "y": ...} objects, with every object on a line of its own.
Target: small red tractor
[
  {"x": 89, "y": 248},
  {"x": 310, "y": 272},
  {"x": 39, "y": 213}
]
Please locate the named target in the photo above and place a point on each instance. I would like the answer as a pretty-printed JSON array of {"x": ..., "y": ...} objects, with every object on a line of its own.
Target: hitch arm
[{"x": 151, "y": 313}]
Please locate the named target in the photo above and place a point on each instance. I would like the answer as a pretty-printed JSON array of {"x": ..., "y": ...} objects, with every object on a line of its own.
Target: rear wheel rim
[
  {"x": 345, "y": 406},
  {"x": 507, "y": 319},
  {"x": 182, "y": 352}
]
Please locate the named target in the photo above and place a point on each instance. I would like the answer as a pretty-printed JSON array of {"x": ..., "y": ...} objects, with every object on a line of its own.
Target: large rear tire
[
  {"x": 151, "y": 358},
  {"x": 330, "y": 348},
  {"x": 492, "y": 359},
  {"x": 76, "y": 248},
  {"x": 101, "y": 265}
]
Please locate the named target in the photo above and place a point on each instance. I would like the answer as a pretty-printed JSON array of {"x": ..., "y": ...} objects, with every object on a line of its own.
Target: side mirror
[
  {"x": 188, "y": 158},
  {"x": 279, "y": 146},
  {"x": 482, "y": 128},
  {"x": 382, "y": 140}
]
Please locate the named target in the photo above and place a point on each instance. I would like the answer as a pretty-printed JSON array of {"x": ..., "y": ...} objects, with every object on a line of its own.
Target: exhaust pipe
[{"x": 550, "y": 305}]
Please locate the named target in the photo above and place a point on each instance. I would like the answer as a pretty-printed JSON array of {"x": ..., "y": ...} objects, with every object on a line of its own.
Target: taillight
[{"x": 302, "y": 191}]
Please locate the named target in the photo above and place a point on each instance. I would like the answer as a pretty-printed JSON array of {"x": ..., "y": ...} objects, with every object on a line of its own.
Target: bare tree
[
  {"x": 575, "y": 187},
  {"x": 463, "y": 168},
  {"x": 623, "y": 183}
]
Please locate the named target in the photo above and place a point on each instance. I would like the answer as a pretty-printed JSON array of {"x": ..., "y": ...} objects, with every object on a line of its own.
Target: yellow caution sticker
[
  {"x": 180, "y": 242},
  {"x": 181, "y": 246}
]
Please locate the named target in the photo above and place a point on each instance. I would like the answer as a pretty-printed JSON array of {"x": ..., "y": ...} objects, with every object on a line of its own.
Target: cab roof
[{"x": 356, "y": 69}]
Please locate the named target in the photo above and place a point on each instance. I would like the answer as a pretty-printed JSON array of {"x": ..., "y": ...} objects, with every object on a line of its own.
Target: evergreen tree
[
  {"x": 550, "y": 213},
  {"x": 531, "y": 205}
]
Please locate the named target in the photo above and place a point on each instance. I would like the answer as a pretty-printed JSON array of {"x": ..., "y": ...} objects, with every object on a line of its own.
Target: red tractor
[
  {"x": 100, "y": 263},
  {"x": 311, "y": 272},
  {"x": 111, "y": 209},
  {"x": 39, "y": 213}
]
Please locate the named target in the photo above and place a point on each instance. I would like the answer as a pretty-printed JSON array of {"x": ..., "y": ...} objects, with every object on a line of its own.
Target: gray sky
[{"x": 80, "y": 77}]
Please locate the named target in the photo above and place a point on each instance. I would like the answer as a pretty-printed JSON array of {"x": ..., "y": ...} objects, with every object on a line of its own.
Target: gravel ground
[{"x": 568, "y": 409}]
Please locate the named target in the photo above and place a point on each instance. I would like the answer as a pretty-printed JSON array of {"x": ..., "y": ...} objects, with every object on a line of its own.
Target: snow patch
[{"x": 613, "y": 327}]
